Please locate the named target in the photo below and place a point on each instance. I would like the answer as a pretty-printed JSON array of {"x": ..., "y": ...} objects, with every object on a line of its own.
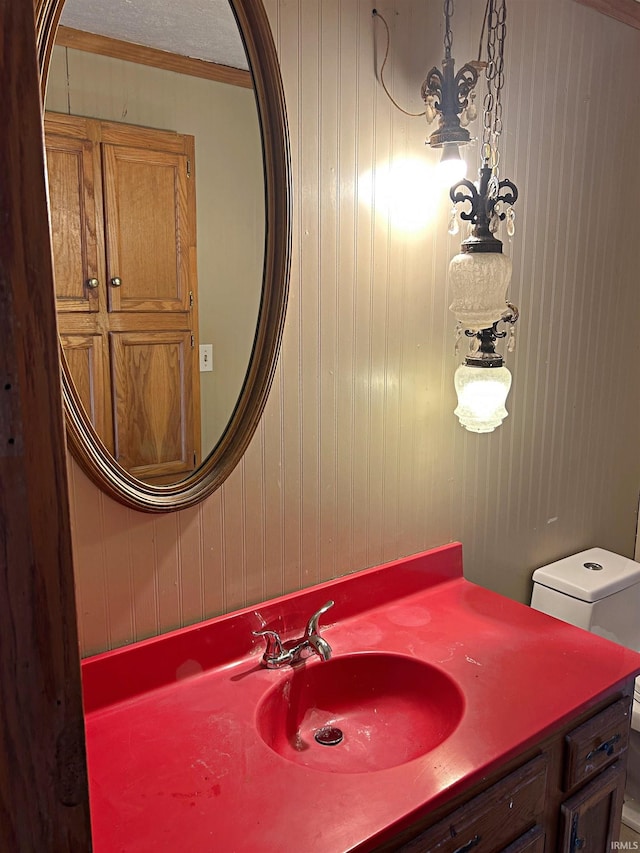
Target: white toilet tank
[{"x": 596, "y": 590}]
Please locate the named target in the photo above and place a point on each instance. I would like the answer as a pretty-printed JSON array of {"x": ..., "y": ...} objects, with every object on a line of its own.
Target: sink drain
[{"x": 329, "y": 736}]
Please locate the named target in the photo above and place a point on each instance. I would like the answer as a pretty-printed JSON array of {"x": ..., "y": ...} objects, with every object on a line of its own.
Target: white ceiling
[{"x": 202, "y": 29}]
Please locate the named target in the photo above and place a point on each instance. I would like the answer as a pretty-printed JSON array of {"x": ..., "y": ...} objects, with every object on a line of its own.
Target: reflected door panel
[
  {"x": 147, "y": 244},
  {"x": 153, "y": 415},
  {"x": 73, "y": 223},
  {"x": 86, "y": 359}
]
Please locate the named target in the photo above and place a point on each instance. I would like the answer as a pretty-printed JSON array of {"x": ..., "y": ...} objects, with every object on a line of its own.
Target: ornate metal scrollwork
[
  {"x": 432, "y": 87},
  {"x": 484, "y": 200},
  {"x": 450, "y": 95},
  {"x": 485, "y": 354},
  {"x": 463, "y": 83}
]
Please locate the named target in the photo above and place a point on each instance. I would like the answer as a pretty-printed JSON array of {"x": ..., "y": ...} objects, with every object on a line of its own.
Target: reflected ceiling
[{"x": 179, "y": 27}]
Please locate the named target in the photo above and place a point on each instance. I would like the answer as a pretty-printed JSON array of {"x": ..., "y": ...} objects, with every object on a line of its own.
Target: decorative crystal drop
[
  {"x": 493, "y": 223},
  {"x": 511, "y": 221},
  {"x": 458, "y": 337},
  {"x": 464, "y": 118},
  {"x": 454, "y": 224},
  {"x": 511, "y": 340},
  {"x": 472, "y": 110},
  {"x": 429, "y": 110}
]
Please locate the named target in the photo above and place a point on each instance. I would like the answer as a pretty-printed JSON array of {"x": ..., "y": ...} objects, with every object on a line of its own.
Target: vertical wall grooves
[
  {"x": 351, "y": 437},
  {"x": 262, "y": 530},
  {"x": 323, "y": 238},
  {"x": 201, "y": 567},
  {"x": 226, "y": 605},
  {"x": 549, "y": 261},
  {"x": 300, "y": 119},
  {"x": 133, "y": 621},
  {"x": 333, "y": 566},
  {"x": 81, "y": 606},
  {"x": 359, "y": 457},
  {"x": 560, "y": 274}
]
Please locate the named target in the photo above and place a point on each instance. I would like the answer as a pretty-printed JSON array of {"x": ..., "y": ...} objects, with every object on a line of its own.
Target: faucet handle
[
  {"x": 312, "y": 624},
  {"x": 274, "y": 643}
]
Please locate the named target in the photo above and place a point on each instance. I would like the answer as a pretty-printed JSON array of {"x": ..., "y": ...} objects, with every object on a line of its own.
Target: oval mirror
[{"x": 147, "y": 331}]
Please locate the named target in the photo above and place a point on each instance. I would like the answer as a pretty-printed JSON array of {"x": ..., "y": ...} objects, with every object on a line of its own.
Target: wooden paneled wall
[{"x": 359, "y": 458}]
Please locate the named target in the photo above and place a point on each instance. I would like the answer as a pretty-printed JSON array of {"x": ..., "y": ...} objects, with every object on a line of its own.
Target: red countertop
[{"x": 176, "y": 762}]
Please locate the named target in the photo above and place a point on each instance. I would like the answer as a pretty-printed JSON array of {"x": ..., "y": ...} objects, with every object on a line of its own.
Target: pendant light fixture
[
  {"x": 450, "y": 97},
  {"x": 482, "y": 382},
  {"x": 480, "y": 274}
]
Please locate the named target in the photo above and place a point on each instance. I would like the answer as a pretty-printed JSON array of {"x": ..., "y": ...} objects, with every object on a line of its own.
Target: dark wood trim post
[{"x": 44, "y": 801}]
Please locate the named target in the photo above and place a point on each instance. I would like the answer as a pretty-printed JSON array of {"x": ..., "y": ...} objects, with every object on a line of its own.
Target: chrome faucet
[{"x": 279, "y": 654}]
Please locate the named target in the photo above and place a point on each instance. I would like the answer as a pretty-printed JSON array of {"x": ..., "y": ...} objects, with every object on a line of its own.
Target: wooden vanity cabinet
[
  {"x": 563, "y": 795},
  {"x": 122, "y": 203},
  {"x": 496, "y": 819},
  {"x": 590, "y": 819}
]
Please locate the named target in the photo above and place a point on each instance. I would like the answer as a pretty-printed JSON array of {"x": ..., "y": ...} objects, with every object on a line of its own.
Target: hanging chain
[
  {"x": 448, "y": 36},
  {"x": 494, "y": 73}
]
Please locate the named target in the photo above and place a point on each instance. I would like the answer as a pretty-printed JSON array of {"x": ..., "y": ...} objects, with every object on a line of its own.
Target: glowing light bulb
[{"x": 451, "y": 167}]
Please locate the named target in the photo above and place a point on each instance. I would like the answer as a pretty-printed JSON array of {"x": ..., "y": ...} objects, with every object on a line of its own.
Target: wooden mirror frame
[{"x": 82, "y": 438}]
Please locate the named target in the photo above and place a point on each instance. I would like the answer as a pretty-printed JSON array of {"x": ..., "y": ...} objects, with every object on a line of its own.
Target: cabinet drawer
[
  {"x": 493, "y": 819},
  {"x": 596, "y": 743}
]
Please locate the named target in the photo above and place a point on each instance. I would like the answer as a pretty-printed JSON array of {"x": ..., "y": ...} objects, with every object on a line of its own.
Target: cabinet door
[
  {"x": 530, "y": 842},
  {"x": 152, "y": 406},
  {"x": 147, "y": 229},
  {"x": 590, "y": 819},
  {"x": 87, "y": 363},
  {"x": 73, "y": 213}
]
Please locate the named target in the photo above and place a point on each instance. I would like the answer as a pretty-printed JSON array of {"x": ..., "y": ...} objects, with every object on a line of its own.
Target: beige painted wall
[
  {"x": 358, "y": 458},
  {"x": 229, "y": 195}
]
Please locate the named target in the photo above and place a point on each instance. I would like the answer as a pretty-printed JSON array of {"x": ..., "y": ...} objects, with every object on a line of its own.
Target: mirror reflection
[{"x": 156, "y": 185}]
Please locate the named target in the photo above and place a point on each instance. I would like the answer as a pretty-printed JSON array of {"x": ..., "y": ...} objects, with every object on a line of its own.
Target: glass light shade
[
  {"x": 482, "y": 393},
  {"x": 478, "y": 283}
]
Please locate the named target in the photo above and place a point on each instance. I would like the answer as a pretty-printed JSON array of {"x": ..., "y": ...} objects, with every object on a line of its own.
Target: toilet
[{"x": 600, "y": 591}]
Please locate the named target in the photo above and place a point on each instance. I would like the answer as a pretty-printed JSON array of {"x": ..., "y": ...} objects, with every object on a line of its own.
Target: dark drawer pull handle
[
  {"x": 469, "y": 845},
  {"x": 606, "y": 747},
  {"x": 575, "y": 843}
]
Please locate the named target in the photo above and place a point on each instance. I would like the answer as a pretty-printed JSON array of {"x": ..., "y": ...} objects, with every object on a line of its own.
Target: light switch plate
[{"x": 206, "y": 357}]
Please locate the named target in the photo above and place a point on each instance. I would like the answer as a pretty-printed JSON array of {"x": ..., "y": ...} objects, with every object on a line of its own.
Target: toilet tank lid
[{"x": 587, "y": 582}]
